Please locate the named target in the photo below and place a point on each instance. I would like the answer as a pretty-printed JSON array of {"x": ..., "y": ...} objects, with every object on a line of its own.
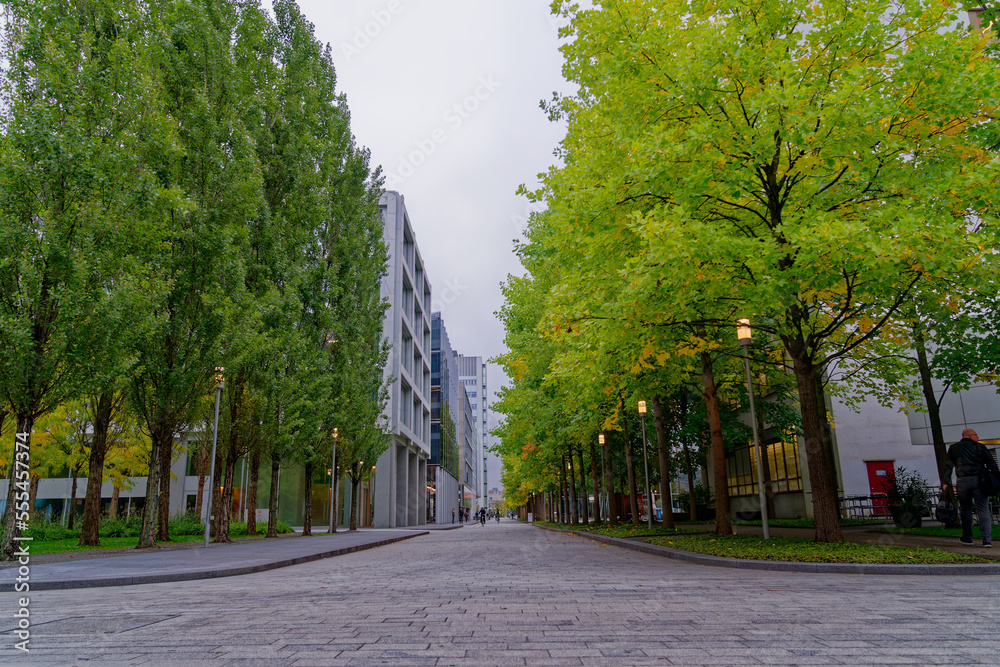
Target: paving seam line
[
  {"x": 64, "y": 584},
  {"x": 785, "y": 566}
]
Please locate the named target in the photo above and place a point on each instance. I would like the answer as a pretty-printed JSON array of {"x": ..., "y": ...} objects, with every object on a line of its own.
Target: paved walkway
[
  {"x": 192, "y": 560},
  {"x": 512, "y": 594}
]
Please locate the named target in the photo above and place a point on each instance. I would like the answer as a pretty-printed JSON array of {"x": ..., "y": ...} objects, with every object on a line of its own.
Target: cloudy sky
[{"x": 446, "y": 95}]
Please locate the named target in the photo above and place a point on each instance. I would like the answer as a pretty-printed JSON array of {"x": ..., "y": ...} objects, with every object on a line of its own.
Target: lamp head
[
  {"x": 743, "y": 331},
  {"x": 220, "y": 380},
  {"x": 336, "y": 432},
  {"x": 642, "y": 407},
  {"x": 600, "y": 438}
]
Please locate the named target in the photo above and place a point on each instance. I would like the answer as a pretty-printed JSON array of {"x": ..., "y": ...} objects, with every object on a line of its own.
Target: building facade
[
  {"x": 400, "y": 483},
  {"x": 443, "y": 495},
  {"x": 473, "y": 375}
]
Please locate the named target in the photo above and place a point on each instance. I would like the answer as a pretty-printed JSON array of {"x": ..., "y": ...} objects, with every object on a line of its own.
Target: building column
[
  {"x": 421, "y": 491},
  {"x": 402, "y": 475},
  {"x": 385, "y": 489},
  {"x": 413, "y": 495}
]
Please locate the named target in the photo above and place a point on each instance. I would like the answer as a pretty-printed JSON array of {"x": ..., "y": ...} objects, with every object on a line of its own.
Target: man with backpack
[{"x": 968, "y": 457}]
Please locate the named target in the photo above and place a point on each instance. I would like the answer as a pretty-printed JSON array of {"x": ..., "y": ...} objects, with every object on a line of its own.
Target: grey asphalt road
[{"x": 512, "y": 594}]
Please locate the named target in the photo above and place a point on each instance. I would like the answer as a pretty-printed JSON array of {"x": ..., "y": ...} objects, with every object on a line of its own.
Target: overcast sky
[{"x": 446, "y": 95}]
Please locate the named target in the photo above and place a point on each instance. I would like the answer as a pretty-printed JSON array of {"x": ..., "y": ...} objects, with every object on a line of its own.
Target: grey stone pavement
[{"x": 513, "y": 594}]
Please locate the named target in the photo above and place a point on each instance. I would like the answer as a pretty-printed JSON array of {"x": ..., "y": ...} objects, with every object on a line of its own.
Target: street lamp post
[
  {"x": 333, "y": 480},
  {"x": 605, "y": 510},
  {"x": 645, "y": 463},
  {"x": 744, "y": 333},
  {"x": 219, "y": 384}
]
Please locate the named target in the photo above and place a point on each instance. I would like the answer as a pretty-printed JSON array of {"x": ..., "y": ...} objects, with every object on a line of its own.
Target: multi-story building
[
  {"x": 443, "y": 495},
  {"x": 473, "y": 374},
  {"x": 401, "y": 474}
]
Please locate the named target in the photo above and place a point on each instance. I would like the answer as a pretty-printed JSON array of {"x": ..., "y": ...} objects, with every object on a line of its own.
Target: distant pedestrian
[
  {"x": 453, "y": 515},
  {"x": 967, "y": 457}
]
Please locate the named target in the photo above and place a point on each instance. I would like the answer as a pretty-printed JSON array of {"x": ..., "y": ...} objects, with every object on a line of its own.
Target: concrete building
[
  {"x": 443, "y": 494},
  {"x": 400, "y": 485},
  {"x": 473, "y": 374}
]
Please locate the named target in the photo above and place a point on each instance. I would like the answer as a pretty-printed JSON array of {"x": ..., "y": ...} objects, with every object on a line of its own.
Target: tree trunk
[
  {"x": 33, "y": 492},
  {"x": 609, "y": 480},
  {"x": 202, "y": 476},
  {"x": 765, "y": 464},
  {"x": 723, "y": 525},
  {"x": 251, "y": 491},
  {"x": 163, "y": 514},
  {"x": 272, "y": 500},
  {"x": 563, "y": 492},
  {"x": 661, "y": 443},
  {"x": 633, "y": 496},
  {"x": 598, "y": 506},
  {"x": 933, "y": 415},
  {"x": 71, "y": 505},
  {"x": 308, "y": 517},
  {"x": 228, "y": 490},
  {"x": 149, "y": 511},
  {"x": 333, "y": 496},
  {"x": 688, "y": 468},
  {"x": 585, "y": 497},
  {"x": 113, "y": 507},
  {"x": 216, "y": 517},
  {"x": 19, "y": 483},
  {"x": 102, "y": 412},
  {"x": 822, "y": 478},
  {"x": 355, "y": 484},
  {"x": 574, "y": 513}
]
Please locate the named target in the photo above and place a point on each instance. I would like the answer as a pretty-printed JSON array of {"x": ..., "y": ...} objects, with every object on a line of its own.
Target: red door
[{"x": 879, "y": 473}]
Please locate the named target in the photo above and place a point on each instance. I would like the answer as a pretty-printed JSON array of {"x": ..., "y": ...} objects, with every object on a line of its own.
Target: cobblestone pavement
[{"x": 511, "y": 594}]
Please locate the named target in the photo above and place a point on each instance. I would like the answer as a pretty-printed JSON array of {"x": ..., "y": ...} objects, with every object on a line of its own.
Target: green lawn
[
  {"x": 70, "y": 544},
  {"x": 805, "y": 550}
]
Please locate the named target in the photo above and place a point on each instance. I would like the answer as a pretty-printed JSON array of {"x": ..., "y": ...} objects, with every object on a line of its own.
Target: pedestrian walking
[
  {"x": 453, "y": 515},
  {"x": 967, "y": 458}
]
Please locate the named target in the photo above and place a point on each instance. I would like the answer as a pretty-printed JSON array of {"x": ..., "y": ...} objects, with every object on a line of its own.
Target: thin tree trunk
[
  {"x": 307, "y": 521},
  {"x": 220, "y": 468},
  {"x": 609, "y": 480},
  {"x": 633, "y": 495},
  {"x": 933, "y": 415},
  {"x": 723, "y": 524},
  {"x": 598, "y": 505},
  {"x": 563, "y": 492},
  {"x": 661, "y": 444},
  {"x": 688, "y": 468},
  {"x": 199, "y": 502},
  {"x": 33, "y": 492},
  {"x": 149, "y": 511},
  {"x": 251, "y": 491},
  {"x": 72, "y": 499},
  {"x": 574, "y": 513},
  {"x": 102, "y": 413},
  {"x": 113, "y": 507},
  {"x": 765, "y": 464},
  {"x": 18, "y": 484},
  {"x": 822, "y": 478},
  {"x": 272, "y": 500},
  {"x": 163, "y": 514},
  {"x": 583, "y": 486}
]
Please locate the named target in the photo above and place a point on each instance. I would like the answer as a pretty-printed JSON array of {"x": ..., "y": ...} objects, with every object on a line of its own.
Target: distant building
[
  {"x": 443, "y": 493},
  {"x": 400, "y": 496},
  {"x": 473, "y": 373}
]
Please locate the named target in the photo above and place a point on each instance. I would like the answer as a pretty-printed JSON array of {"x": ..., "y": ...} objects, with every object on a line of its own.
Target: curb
[
  {"x": 153, "y": 578},
  {"x": 785, "y": 566}
]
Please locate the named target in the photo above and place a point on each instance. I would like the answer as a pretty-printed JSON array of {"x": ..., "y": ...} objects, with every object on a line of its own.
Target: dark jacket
[{"x": 966, "y": 457}]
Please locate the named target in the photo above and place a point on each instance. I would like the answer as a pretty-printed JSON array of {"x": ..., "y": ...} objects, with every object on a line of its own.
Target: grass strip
[{"x": 805, "y": 550}]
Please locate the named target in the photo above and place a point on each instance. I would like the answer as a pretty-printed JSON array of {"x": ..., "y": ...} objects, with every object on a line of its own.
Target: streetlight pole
[
  {"x": 605, "y": 510},
  {"x": 220, "y": 383},
  {"x": 333, "y": 481},
  {"x": 645, "y": 463},
  {"x": 744, "y": 333}
]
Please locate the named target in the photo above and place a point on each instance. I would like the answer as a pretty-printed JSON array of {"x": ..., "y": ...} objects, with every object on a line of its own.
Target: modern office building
[
  {"x": 473, "y": 374},
  {"x": 443, "y": 495},
  {"x": 400, "y": 485}
]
